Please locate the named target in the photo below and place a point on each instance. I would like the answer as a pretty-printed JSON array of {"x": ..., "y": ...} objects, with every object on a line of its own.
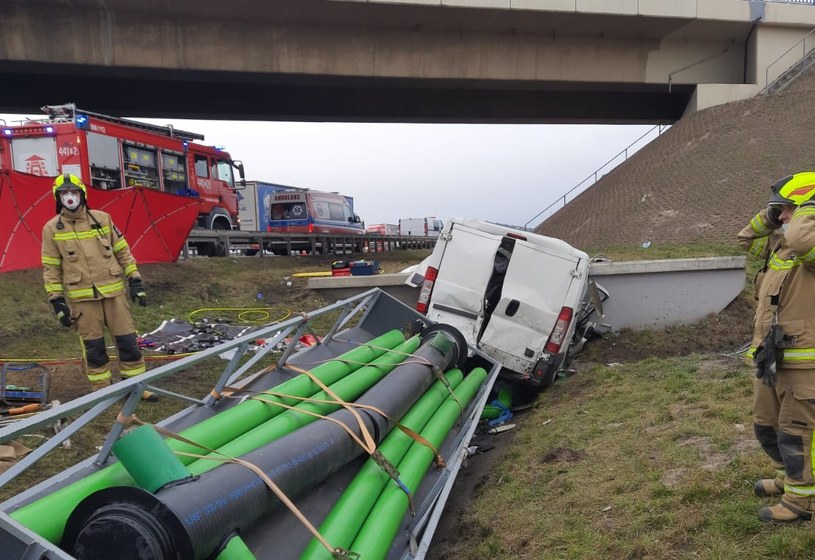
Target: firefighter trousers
[
  {"x": 784, "y": 422},
  {"x": 90, "y": 319}
]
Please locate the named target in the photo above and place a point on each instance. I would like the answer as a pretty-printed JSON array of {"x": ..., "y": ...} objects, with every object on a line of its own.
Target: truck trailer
[{"x": 253, "y": 204}]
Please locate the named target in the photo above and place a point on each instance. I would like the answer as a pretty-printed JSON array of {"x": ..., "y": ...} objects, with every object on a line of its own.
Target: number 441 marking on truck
[{"x": 68, "y": 151}]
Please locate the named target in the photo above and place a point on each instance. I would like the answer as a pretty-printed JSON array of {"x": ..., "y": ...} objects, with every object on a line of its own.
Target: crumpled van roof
[{"x": 549, "y": 244}]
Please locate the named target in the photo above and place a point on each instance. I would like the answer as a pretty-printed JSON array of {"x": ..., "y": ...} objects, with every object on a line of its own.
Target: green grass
[
  {"x": 659, "y": 251},
  {"x": 654, "y": 459}
]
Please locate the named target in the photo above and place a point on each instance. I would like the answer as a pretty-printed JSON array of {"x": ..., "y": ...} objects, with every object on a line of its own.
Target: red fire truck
[{"x": 113, "y": 154}]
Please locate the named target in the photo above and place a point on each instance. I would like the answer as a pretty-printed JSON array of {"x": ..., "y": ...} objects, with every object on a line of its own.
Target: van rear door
[
  {"x": 465, "y": 267},
  {"x": 539, "y": 282}
]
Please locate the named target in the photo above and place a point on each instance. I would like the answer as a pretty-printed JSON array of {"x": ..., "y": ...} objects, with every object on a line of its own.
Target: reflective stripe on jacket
[
  {"x": 790, "y": 275},
  {"x": 86, "y": 258}
]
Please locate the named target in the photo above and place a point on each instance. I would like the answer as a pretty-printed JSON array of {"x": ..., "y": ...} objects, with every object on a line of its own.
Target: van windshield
[{"x": 288, "y": 211}]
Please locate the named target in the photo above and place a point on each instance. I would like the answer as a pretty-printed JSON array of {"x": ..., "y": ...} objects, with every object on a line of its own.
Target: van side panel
[{"x": 536, "y": 287}]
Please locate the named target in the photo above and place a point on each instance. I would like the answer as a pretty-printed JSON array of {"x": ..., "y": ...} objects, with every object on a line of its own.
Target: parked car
[
  {"x": 521, "y": 298},
  {"x": 420, "y": 227}
]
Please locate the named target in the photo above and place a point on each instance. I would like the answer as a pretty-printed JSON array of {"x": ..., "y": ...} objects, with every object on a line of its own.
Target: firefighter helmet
[
  {"x": 68, "y": 181},
  {"x": 65, "y": 182},
  {"x": 793, "y": 189}
]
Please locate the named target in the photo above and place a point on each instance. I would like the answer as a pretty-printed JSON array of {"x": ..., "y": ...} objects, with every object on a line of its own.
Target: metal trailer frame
[{"x": 375, "y": 311}]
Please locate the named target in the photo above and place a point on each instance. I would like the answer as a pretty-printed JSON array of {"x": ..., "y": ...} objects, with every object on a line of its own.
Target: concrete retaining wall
[{"x": 643, "y": 294}]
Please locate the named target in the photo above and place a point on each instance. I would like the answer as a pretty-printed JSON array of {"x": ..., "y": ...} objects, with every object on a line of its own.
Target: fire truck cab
[{"x": 112, "y": 153}]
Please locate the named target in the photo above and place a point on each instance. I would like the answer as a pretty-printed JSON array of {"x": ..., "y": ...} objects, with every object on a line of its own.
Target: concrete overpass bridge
[{"x": 519, "y": 61}]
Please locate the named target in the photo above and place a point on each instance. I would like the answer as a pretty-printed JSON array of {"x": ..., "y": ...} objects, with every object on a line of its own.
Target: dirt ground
[{"x": 471, "y": 477}]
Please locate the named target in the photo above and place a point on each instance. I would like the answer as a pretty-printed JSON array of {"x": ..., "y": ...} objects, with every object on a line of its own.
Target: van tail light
[
  {"x": 559, "y": 332},
  {"x": 311, "y": 228},
  {"x": 427, "y": 289}
]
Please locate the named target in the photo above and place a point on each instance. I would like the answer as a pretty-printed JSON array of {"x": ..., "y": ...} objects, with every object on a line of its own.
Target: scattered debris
[
  {"x": 501, "y": 429},
  {"x": 182, "y": 337}
]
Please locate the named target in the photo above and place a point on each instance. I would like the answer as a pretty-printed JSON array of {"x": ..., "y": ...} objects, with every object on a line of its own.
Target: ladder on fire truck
[{"x": 69, "y": 112}]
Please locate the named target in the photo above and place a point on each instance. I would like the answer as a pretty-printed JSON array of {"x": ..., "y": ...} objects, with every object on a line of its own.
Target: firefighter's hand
[
  {"x": 137, "y": 292},
  {"x": 774, "y": 215},
  {"x": 61, "y": 311}
]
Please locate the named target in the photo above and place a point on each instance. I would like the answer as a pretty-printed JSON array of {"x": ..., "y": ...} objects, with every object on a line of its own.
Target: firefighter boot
[
  {"x": 149, "y": 396},
  {"x": 769, "y": 487},
  {"x": 783, "y": 512}
]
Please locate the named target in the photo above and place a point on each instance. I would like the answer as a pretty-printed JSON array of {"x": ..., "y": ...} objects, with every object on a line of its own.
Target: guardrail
[
  {"x": 596, "y": 176},
  {"x": 791, "y": 64},
  {"x": 250, "y": 242}
]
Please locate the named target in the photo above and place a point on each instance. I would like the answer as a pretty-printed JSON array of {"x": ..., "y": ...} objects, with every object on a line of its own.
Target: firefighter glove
[
  {"x": 774, "y": 215},
  {"x": 769, "y": 355},
  {"x": 61, "y": 311},
  {"x": 137, "y": 292}
]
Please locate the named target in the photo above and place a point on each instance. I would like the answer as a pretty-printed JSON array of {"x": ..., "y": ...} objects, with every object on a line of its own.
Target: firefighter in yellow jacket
[
  {"x": 783, "y": 345},
  {"x": 86, "y": 262}
]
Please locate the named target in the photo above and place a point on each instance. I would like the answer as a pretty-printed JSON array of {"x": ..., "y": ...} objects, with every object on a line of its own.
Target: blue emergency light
[
  {"x": 7, "y": 131},
  {"x": 49, "y": 129},
  {"x": 81, "y": 121}
]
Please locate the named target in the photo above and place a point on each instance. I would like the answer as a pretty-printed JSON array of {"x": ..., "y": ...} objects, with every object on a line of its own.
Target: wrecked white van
[{"x": 524, "y": 299}]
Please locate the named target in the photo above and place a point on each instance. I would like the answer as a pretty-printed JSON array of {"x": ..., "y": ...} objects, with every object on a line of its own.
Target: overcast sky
[{"x": 500, "y": 173}]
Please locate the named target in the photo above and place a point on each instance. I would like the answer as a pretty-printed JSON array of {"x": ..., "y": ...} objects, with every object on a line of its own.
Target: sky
[{"x": 500, "y": 173}]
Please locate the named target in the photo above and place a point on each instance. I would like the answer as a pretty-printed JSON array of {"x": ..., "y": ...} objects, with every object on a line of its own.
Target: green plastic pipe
[
  {"x": 148, "y": 459},
  {"x": 236, "y": 549},
  {"x": 348, "y": 389},
  {"x": 48, "y": 515},
  {"x": 350, "y": 511},
  {"x": 380, "y": 528}
]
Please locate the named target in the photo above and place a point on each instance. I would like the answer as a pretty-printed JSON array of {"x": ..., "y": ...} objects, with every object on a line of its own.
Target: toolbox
[
  {"x": 340, "y": 268},
  {"x": 364, "y": 268},
  {"x": 30, "y": 385}
]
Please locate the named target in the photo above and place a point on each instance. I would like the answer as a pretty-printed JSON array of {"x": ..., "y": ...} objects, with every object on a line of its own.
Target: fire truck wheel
[{"x": 219, "y": 249}]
